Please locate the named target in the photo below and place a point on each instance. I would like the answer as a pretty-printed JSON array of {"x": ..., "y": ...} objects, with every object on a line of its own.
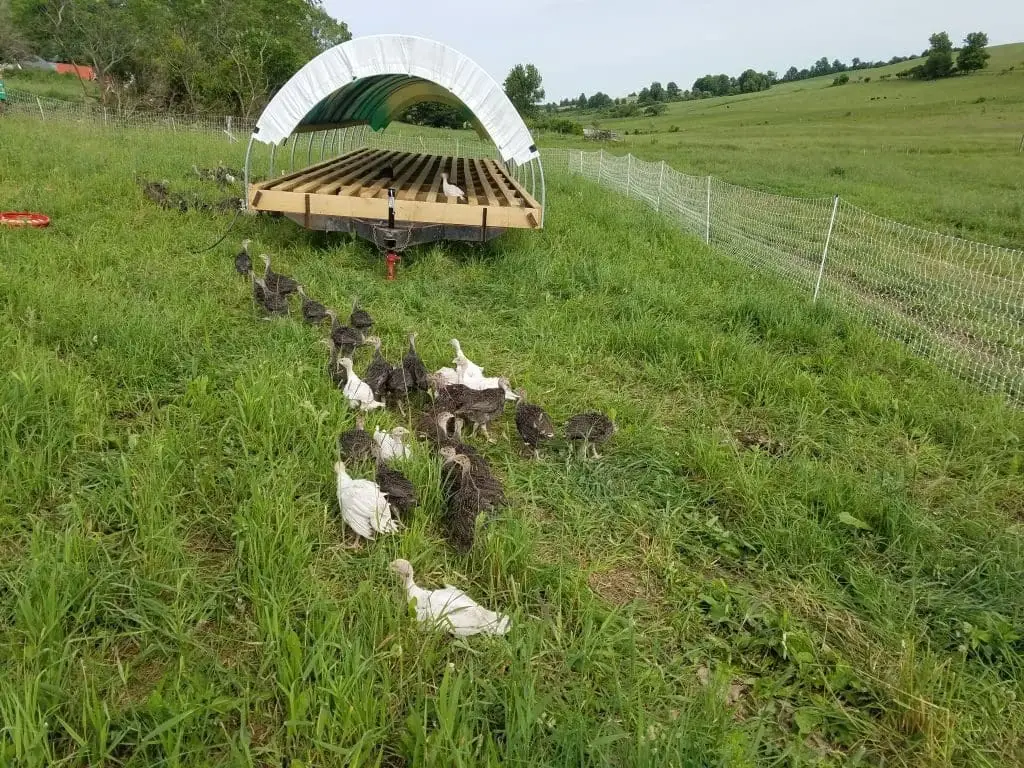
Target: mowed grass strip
[{"x": 802, "y": 546}]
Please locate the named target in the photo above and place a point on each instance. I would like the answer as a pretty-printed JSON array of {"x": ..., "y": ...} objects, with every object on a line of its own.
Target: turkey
[
  {"x": 399, "y": 490},
  {"x": 334, "y": 369},
  {"x": 313, "y": 312},
  {"x": 450, "y": 190},
  {"x": 461, "y": 502},
  {"x": 157, "y": 192},
  {"x": 441, "y": 378},
  {"x": 490, "y": 495},
  {"x": 393, "y": 444},
  {"x": 345, "y": 336},
  {"x": 281, "y": 284},
  {"x": 480, "y": 408},
  {"x": 590, "y": 429},
  {"x": 464, "y": 367},
  {"x": 415, "y": 371},
  {"x": 378, "y": 371},
  {"x": 356, "y": 444},
  {"x": 364, "y": 508},
  {"x": 360, "y": 318},
  {"x": 243, "y": 264},
  {"x": 270, "y": 302},
  {"x": 356, "y": 391},
  {"x": 436, "y": 426},
  {"x": 533, "y": 424},
  {"x": 449, "y": 609}
]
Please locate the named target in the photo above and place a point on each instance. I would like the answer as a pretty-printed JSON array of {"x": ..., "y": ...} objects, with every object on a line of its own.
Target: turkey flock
[{"x": 439, "y": 405}]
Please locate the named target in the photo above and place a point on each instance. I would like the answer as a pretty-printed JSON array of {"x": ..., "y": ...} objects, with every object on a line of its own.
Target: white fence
[
  {"x": 954, "y": 301},
  {"x": 957, "y": 302}
]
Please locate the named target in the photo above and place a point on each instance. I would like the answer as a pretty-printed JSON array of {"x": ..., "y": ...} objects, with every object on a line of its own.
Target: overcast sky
[{"x": 618, "y": 46}]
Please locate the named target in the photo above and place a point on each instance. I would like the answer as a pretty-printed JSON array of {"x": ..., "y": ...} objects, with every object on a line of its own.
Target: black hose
[{"x": 222, "y": 237}]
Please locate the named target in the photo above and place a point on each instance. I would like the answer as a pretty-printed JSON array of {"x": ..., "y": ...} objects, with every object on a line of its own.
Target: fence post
[
  {"x": 707, "y": 220},
  {"x": 828, "y": 239},
  {"x": 41, "y": 115},
  {"x": 661, "y": 182},
  {"x": 629, "y": 172}
]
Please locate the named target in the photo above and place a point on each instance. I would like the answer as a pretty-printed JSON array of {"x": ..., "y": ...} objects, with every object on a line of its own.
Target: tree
[
  {"x": 838, "y": 66},
  {"x": 13, "y": 45},
  {"x": 644, "y": 97},
  {"x": 581, "y": 102},
  {"x": 939, "y": 62},
  {"x": 657, "y": 92},
  {"x": 672, "y": 91},
  {"x": 437, "y": 115},
  {"x": 821, "y": 67},
  {"x": 973, "y": 55},
  {"x": 655, "y": 108},
  {"x": 523, "y": 88},
  {"x": 599, "y": 101},
  {"x": 791, "y": 74}
]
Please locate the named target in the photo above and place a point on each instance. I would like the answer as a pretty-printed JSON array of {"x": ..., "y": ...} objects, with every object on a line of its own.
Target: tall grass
[{"x": 175, "y": 587}]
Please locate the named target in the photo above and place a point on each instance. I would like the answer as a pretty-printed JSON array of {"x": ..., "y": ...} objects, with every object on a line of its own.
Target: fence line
[{"x": 957, "y": 302}]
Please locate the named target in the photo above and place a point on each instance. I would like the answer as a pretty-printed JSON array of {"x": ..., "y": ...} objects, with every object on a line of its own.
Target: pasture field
[
  {"x": 941, "y": 155},
  {"x": 802, "y": 547}
]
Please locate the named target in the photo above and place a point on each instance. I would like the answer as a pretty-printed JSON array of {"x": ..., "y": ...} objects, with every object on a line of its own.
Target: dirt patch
[
  {"x": 618, "y": 586},
  {"x": 759, "y": 440}
]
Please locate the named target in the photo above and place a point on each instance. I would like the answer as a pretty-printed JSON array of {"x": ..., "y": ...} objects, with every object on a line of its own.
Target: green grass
[
  {"x": 174, "y": 589},
  {"x": 941, "y": 155},
  {"x": 51, "y": 85}
]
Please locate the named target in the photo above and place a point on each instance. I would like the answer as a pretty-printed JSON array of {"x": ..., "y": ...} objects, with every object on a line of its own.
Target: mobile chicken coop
[{"x": 395, "y": 198}]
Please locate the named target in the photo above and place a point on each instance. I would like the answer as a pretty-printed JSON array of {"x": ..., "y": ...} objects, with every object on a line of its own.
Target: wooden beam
[
  {"x": 340, "y": 169},
  {"x": 469, "y": 186},
  {"x": 274, "y": 183},
  {"x": 506, "y": 192},
  {"x": 414, "y": 190},
  {"x": 405, "y": 210},
  {"x": 485, "y": 183},
  {"x": 526, "y": 196},
  {"x": 346, "y": 183},
  {"x": 402, "y": 170},
  {"x": 432, "y": 194}
]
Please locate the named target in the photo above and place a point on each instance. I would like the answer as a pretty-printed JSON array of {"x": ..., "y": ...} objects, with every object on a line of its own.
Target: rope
[{"x": 222, "y": 237}]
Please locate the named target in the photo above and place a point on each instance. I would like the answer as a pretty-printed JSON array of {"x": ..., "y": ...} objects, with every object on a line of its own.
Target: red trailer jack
[{"x": 392, "y": 260}]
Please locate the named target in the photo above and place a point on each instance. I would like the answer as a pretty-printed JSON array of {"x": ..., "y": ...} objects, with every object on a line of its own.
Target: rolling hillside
[{"x": 942, "y": 154}]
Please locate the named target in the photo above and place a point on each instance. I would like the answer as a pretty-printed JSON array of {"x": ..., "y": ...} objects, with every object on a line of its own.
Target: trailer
[{"x": 394, "y": 198}]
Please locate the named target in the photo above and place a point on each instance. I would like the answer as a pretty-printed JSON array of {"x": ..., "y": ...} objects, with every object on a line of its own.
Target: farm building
[{"x": 398, "y": 198}]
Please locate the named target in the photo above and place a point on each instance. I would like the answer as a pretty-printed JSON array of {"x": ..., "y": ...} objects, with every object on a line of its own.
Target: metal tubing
[{"x": 245, "y": 173}]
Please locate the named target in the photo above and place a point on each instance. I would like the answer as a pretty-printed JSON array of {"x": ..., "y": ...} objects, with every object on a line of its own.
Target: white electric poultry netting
[{"x": 957, "y": 302}]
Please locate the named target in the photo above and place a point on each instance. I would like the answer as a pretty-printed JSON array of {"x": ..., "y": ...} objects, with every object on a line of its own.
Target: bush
[
  {"x": 867, "y": 79},
  {"x": 559, "y": 125},
  {"x": 843, "y": 79}
]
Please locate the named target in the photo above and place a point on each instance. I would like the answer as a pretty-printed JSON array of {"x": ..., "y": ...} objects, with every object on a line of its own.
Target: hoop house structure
[{"x": 333, "y": 111}]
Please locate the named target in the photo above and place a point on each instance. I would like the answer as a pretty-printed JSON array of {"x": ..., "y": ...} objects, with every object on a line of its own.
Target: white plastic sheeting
[{"x": 416, "y": 57}]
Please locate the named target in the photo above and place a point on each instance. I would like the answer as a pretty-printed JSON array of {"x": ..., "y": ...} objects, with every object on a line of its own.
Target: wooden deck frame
[{"x": 356, "y": 185}]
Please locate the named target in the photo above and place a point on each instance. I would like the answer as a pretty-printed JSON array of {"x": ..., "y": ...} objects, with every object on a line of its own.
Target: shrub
[
  {"x": 843, "y": 79},
  {"x": 867, "y": 79}
]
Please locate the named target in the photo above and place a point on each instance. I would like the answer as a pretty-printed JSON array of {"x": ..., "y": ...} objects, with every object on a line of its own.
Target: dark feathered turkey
[
  {"x": 278, "y": 283},
  {"x": 336, "y": 372},
  {"x": 313, "y": 312},
  {"x": 346, "y": 337},
  {"x": 356, "y": 444},
  {"x": 360, "y": 318},
  {"x": 461, "y": 504},
  {"x": 480, "y": 407},
  {"x": 243, "y": 264},
  {"x": 436, "y": 426},
  {"x": 270, "y": 302},
  {"x": 377, "y": 373},
  {"x": 591, "y": 429},
  {"x": 400, "y": 491},
  {"x": 488, "y": 490},
  {"x": 533, "y": 423},
  {"x": 415, "y": 371}
]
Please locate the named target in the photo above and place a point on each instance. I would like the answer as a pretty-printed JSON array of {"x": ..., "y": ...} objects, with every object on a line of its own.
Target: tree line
[{"x": 212, "y": 56}]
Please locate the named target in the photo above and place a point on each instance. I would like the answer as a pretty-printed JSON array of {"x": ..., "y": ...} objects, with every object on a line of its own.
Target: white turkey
[
  {"x": 449, "y": 609},
  {"x": 364, "y": 508}
]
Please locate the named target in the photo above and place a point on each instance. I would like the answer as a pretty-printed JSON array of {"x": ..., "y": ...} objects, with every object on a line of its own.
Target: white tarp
[{"x": 399, "y": 55}]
